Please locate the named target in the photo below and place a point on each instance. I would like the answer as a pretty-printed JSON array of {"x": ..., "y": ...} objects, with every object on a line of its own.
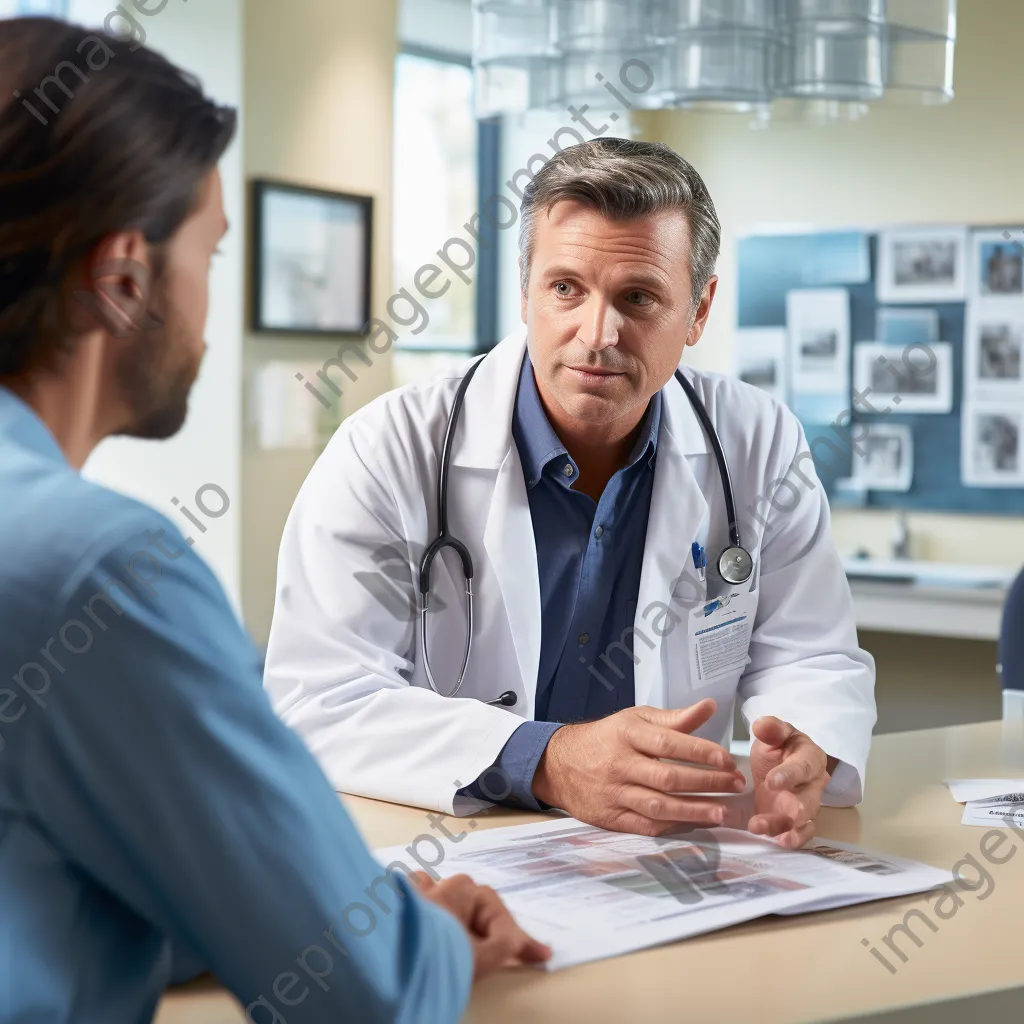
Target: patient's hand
[{"x": 496, "y": 938}]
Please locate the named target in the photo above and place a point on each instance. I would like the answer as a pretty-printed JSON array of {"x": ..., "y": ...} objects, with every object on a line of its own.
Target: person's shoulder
[
  {"x": 60, "y": 525},
  {"x": 741, "y": 405},
  {"x": 417, "y": 405}
]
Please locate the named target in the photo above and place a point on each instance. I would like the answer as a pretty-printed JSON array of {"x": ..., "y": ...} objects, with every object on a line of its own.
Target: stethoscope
[{"x": 735, "y": 565}]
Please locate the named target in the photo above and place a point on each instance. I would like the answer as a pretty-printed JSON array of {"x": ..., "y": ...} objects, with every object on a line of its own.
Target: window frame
[{"x": 488, "y": 167}]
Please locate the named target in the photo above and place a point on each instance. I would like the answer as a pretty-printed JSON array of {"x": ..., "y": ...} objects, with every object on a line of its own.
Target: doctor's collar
[{"x": 538, "y": 444}]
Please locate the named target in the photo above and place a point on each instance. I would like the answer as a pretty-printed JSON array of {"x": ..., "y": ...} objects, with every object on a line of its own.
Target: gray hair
[{"x": 624, "y": 179}]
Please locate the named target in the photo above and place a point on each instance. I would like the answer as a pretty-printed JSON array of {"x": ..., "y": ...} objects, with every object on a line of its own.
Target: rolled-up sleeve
[{"x": 509, "y": 780}]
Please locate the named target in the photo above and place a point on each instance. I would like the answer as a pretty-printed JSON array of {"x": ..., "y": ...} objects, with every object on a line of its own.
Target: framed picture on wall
[
  {"x": 818, "y": 329},
  {"x": 915, "y": 379},
  {"x": 997, "y": 264},
  {"x": 991, "y": 445},
  {"x": 994, "y": 353},
  {"x": 887, "y": 463},
  {"x": 312, "y": 254},
  {"x": 922, "y": 265}
]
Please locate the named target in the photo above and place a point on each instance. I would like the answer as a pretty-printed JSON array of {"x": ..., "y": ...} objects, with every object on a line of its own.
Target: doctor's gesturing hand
[
  {"x": 790, "y": 772},
  {"x": 609, "y": 773}
]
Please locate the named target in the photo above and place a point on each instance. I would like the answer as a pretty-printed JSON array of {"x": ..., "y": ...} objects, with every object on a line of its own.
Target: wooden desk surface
[{"x": 809, "y": 968}]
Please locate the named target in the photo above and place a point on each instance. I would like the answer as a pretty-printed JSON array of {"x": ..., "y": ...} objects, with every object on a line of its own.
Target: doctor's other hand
[
  {"x": 496, "y": 939},
  {"x": 609, "y": 773},
  {"x": 789, "y": 772}
]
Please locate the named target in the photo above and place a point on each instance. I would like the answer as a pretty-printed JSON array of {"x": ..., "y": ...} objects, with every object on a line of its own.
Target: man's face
[
  {"x": 609, "y": 310},
  {"x": 156, "y": 370}
]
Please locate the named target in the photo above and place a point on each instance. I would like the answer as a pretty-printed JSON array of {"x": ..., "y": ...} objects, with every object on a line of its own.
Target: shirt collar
[
  {"x": 20, "y": 422},
  {"x": 538, "y": 444}
]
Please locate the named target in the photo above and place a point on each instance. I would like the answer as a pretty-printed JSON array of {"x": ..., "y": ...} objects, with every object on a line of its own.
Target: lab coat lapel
[
  {"x": 485, "y": 443},
  {"x": 509, "y": 542},
  {"x": 678, "y": 516}
]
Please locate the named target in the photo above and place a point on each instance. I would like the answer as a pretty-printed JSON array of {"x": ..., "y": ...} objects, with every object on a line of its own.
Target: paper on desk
[
  {"x": 592, "y": 894},
  {"x": 994, "y": 814},
  {"x": 963, "y": 790}
]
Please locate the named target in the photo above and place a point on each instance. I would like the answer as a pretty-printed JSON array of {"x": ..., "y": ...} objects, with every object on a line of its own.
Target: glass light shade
[
  {"x": 515, "y": 86},
  {"x": 637, "y": 75},
  {"x": 817, "y": 61},
  {"x": 832, "y": 60},
  {"x": 923, "y": 17},
  {"x": 601, "y": 25},
  {"x": 918, "y": 69},
  {"x": 682, "y": 15},
  {"x": 920, "y": 43},
  {"x": 831, "y": 10},
  {"x": 511, "y": 29},
  {"x": 724, "y": 66},
  {"x": 800, "y": 113}
]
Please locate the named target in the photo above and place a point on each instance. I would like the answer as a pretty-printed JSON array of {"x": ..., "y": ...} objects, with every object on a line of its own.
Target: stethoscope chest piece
[{"x": 735, "y": 565}]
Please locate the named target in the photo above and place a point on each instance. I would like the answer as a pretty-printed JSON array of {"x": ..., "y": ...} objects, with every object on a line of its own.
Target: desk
[
  {"x": 928, "y": 598},
  {"x": 810, "y": 968}
]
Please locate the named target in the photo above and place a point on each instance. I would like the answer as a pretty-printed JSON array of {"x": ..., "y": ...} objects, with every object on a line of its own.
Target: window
[
  {"x": 20, "y": 8},
  {"x": 435, "y": 190}
]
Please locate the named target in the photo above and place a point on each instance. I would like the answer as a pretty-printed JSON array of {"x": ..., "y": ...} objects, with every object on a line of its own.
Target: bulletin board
[{"x": 771, "y": 265}]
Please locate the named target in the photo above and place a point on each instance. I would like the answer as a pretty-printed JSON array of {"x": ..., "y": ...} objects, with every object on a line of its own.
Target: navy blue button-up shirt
[{"x": 589, "y": 556}]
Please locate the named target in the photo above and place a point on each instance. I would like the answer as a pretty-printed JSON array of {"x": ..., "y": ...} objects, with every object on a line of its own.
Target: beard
[{"x": 156, "y": 377}]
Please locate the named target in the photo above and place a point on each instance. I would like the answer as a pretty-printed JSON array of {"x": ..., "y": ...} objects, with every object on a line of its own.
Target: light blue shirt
[{"x": 151, "y": 803}]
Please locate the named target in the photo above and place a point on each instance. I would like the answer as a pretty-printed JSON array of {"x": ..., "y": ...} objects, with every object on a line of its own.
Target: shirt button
[
  {"x": 568, "y": 471},
  {"x": 598, "y": 531},
  {"x": 584, "y": 637}
]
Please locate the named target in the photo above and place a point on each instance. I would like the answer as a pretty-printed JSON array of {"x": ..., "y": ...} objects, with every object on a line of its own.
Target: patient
[{"x": 150, "y": 800}]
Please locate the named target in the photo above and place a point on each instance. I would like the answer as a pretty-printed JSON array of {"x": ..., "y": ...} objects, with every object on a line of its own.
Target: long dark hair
[{"x": 97, "y": 135}]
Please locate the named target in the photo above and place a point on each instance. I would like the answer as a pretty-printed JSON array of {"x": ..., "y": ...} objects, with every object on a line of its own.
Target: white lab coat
[{"x": 343, "y": 664}]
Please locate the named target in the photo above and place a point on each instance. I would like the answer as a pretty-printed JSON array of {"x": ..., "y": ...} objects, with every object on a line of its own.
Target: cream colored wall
[
  {"x": 958, "y": 163},
  {"x": 318, "y": 111}
]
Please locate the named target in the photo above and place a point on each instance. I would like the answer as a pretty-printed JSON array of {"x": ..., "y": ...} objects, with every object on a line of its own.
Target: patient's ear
[{"x": 115, "y": 286}]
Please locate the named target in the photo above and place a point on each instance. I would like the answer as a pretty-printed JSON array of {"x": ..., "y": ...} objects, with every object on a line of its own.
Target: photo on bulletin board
[
  {"x": 922, "y": 265},
  {"x": 887, "y": 463},
  {"x": 994, "y": 353},
  {"x": 818, "y": 326},
  {"x": 761, "y": 359},
  {"x": 914, "y": 379},
  {"x": 991, "y": 445},
  {"x": 997, "y": 265},
  {"x": 311, "y": 260}
]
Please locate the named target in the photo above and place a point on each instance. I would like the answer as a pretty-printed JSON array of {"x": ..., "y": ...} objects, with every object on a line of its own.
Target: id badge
[{"x": 719, "y": 636}]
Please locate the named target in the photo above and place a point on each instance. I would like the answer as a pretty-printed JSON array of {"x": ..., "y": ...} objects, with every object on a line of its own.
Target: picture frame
[
  {"x": 926, "y": 264},
  {"x": 760, "y": 360},
  {"x": 818, "y": 330},
  {"x": 912, "y": 379},
  {"x": 991, "y": 437},
  {"x": 997, "y": 265},
  {"x": 312, "y": 260},
  {"x": 888, "y": 460},
  {"x": 994, "y": 352}
]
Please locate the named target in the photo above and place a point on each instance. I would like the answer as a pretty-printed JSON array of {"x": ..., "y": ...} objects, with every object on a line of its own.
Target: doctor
[{"x": 588, "y": 495}]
